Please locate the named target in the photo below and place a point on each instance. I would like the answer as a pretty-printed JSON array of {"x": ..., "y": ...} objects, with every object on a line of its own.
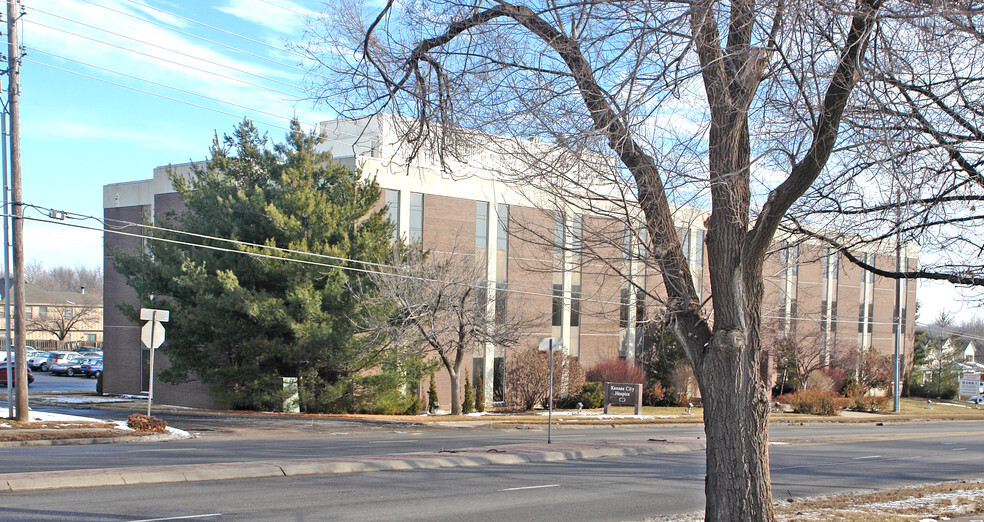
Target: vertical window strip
[
  {"x": 481, "y": 224},
  {"x": 502, "y": 228},
  {"x": 558, "y": 232},
  {"x": 558, "y": 306},
  {"x": 500, "y": 302},
  {"x": 416, "y": 217},
  {"x": 576, "y": 233},
  {"x": 623, "y": 311},
  {"x": 575, "y": 306},
  {"x": 393, "y": 211}
]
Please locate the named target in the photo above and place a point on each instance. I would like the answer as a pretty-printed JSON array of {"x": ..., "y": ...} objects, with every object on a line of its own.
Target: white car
[
  {"x": 36, "y": 359},
  {"x": 31, "y": 352}
]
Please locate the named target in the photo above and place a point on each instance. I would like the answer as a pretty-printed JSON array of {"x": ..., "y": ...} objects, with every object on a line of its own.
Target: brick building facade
[{"x": 533, "y": 255}]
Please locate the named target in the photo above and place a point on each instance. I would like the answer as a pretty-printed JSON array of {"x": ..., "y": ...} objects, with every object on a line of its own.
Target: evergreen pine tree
[
  {"x": 479, "y": 393},
  {"x": 432, "y": 402},
  {"x": 247, "y": 314},
  {"x": 468, "y": 403}
]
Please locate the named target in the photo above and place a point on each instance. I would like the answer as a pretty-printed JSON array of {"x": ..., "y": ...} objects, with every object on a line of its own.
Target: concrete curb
[{"x": 517, "y": 454}]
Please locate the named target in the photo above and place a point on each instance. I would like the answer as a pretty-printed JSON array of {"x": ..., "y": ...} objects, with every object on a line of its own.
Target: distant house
[{"x": 58, "y": 320}]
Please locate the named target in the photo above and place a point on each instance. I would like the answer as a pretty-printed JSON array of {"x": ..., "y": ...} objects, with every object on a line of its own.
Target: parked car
[
  {"x": 3, "y": 353},
  {"x": 61, "y": 358},
  {"x": 92, "y": 367},
  {"x": 3, "y": 376},
  {"x": 91, "y": 355},
  {"x": 977, "y": 400},
  {"x": 36, "y": 359}
]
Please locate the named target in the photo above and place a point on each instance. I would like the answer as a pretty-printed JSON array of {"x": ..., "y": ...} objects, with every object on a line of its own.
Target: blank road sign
[{"x": 152, "y": 334}]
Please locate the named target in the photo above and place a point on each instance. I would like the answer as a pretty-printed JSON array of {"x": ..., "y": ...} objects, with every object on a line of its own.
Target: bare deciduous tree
[
  {"x": 627, "y": 110},
  {"x": 61, "y": 321},
  {"x": 436, "y": 304},
  {"x": 65, "y": 279},
  {"x": 911, "y": 162}
]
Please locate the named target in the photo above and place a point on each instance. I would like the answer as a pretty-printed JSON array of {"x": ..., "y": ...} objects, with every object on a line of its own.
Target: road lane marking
[
  {"x": 186, "y": 517},
  {"x": 532, "y": 487},
  {"x": 959, "y": 449},
  {"x": 390, "y": 441},
  {"x": 868, "y": 457}
]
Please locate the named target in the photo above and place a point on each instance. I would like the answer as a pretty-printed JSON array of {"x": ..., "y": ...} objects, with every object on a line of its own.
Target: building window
[
  {"x": 833, "y": 316},
  {"x": 393, "y": 211},
  {"x": 67, "y": 314},
  {"x": 42, "y": 312},
  {"x": 498, "y": 379},
  {"x": 795, "y": 259},
  {"x": 643, "y": 238},
  {"x": 626, "y": 242},
  {"x": 860, "y": 318},
  {"x": 500, "y": 302},
  {"x": 575, "y": 305},
  {"x": 577, "y": 228},
  {"x": 558, "y": 305},
  {"x": 416, "y": 217},
  {"x": 902, "y": 320},
  {"x": 558, "y": 232},
  {"x": 685, "y": 242},
  {"x": 28, "y": 312},
  {"x": 623, "y": 311},
  {"x": 481, "y": 224},
  {"x": 502, "y": 228},
  {"x": 871, "y": 317},
  {"x": 699, "y": 252}
]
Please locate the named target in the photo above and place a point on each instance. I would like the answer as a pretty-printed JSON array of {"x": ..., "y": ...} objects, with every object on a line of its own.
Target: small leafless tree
[
  {"x": 437, "y": 304},
  {"x": 528, "y": 377},
  {"x": 61, "y": 321}
]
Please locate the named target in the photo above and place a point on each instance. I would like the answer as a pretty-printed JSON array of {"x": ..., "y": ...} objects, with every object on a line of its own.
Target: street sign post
[
  {"x": 551, "y": 345},
  {"x": 152, "y": 336}
]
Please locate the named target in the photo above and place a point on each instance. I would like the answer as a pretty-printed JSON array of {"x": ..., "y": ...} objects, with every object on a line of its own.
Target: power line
[
  {"x": 192, "y": 35},
  {"x": 168, "y": 49},
  {"x": 226, "y": 102},
  {"x": 162, "y": 59},
  {"x": 203, "y": 24},
  {"x": 275, "y": 125}
]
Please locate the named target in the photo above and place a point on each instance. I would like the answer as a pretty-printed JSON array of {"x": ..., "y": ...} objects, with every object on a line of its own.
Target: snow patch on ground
[
  {"x": 81, "y": 400},
  {"x": 41, "y": 416}
]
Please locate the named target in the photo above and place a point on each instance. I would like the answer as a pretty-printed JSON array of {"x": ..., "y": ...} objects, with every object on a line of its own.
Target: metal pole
[
  {"x": 17, "y": 210},
  {"x": 150, "y": 388},
  {"x": 896, "y": 391},
  {"x": 550, "y": 405}
]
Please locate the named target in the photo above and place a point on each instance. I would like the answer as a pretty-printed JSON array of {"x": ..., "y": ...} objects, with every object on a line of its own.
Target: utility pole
[{"x": 17, "y": 209}]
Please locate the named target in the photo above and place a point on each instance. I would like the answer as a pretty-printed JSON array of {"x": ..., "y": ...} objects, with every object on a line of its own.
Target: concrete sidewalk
[{"x": 482, "y": 456}]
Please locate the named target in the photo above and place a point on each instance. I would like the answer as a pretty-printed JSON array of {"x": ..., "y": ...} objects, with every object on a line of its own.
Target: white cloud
[
  {"x": 279, "y": 15},
  {"x": 155, "y": 53},
  {"x": 58, "y": 130}
]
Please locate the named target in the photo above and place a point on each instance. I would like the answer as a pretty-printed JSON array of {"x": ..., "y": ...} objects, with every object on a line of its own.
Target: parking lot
[{"x": 46, "y": 382}]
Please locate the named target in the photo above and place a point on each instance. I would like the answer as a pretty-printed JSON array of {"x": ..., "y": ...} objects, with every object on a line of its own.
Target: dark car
[
  {"x": 3, "y": 375},
  {"x": 92, "y": 367}
]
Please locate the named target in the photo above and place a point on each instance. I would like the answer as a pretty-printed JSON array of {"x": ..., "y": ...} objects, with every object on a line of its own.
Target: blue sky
[{"x": 82, "y": 128}]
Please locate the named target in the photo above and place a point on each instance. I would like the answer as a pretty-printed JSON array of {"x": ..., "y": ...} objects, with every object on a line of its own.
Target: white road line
[
  {"x": 186, "y": 517},
  {"x": 389, "y": 441},
  {"x": 959, "y": 449},
  {"x": 869, "y": 457},
  {"x": 532, "y": 487}
]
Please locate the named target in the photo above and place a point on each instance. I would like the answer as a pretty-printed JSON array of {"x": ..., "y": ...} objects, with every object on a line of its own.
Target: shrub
[
  {"x": 145, "y": 424},
  {"x": 591, "y": 396},
  {"x": 617, "y": 369},
  {"x": 468, "y": 402},
  {"x": 813, "y": 402},
  {"x": 868, "y": 403}
]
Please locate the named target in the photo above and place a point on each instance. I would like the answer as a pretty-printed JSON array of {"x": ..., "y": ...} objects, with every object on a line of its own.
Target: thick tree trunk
[
  {"x": 736, "y": 410},
  {"x": 455, "y": 392}
]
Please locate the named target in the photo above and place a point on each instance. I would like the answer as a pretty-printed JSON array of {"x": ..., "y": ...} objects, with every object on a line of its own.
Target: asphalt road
[{"x": 807, "y": 461}]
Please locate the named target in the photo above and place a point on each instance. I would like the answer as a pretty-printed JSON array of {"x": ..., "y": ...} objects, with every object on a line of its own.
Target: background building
[
  {"x": 59, "y": 320},
  {"x": 569, "y": 270}
]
